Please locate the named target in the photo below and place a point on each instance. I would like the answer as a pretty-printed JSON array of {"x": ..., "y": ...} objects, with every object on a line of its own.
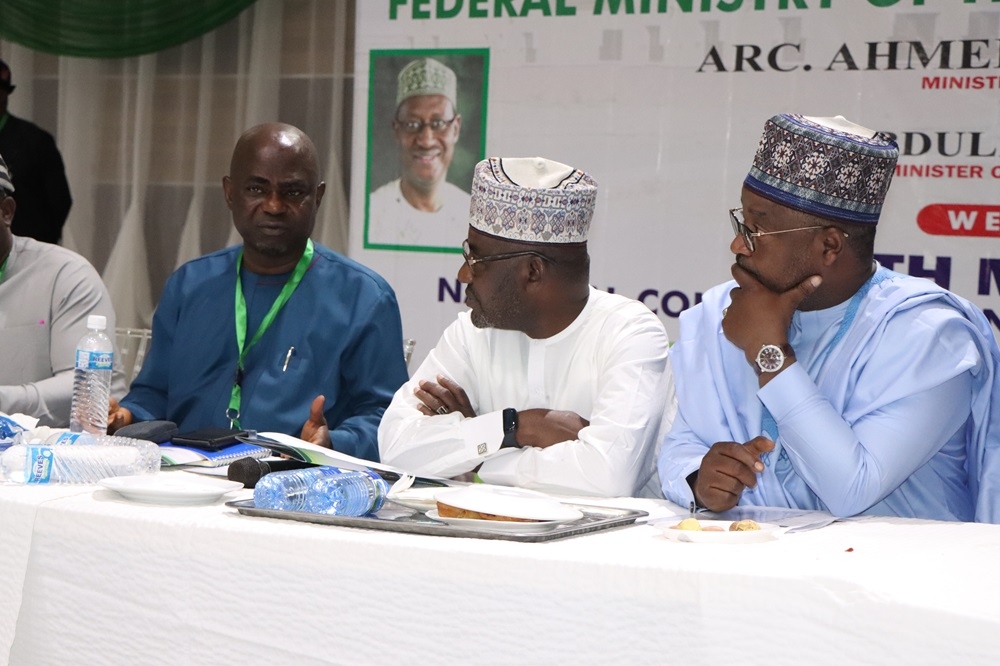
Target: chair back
[{"x": 130, "y": 351}]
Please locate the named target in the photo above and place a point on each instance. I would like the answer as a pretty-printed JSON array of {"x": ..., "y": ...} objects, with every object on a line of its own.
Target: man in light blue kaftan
[{"x": 819, "y": 379}]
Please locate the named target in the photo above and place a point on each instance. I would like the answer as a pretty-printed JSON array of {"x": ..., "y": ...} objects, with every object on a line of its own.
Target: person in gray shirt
[{"x": 46, "y": 294}]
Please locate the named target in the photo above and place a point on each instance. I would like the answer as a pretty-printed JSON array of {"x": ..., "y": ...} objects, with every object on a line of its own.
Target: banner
[{"x": 663, "y": 103}]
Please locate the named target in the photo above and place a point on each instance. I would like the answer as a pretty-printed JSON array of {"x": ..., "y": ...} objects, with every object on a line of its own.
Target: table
[{"x": 89, "y": 578}]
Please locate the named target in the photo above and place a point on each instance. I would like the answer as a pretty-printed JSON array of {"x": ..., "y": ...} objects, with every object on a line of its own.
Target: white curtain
[{"x": 146, "y": 140}]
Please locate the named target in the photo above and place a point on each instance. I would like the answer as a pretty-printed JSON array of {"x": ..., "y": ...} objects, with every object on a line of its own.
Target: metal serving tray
[{"x": 396, "y": 518}]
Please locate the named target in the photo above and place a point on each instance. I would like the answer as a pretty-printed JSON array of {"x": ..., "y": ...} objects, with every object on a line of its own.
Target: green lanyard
[
  {"x": 233, "y": 412},
  {"x": 3, "y": 267},
  {"x": 3, "y": 120}
]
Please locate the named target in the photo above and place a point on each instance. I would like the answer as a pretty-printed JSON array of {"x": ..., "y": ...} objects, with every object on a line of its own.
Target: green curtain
[{"x": 111, "y": 28}]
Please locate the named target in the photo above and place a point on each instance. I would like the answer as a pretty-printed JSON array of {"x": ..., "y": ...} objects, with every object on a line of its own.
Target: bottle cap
[{"x": 100, "y": 322}]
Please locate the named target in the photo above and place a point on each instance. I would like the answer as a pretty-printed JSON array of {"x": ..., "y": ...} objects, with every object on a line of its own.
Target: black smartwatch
[{"x": 510, "y": 429}]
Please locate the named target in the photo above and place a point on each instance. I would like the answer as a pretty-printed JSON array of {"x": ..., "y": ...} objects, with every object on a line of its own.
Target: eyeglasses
[
  {"x": 472, "y": 261},
  {"x": 437, "y": 125},
  {"x": 740, "y": 229}
]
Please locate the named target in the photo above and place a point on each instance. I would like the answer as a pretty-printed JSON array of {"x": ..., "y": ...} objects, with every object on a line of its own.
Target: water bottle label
[
  {"x": 68, "y": 438},
  {"x": 38, "y": 464},
  {"x": 93, "y": 360}
]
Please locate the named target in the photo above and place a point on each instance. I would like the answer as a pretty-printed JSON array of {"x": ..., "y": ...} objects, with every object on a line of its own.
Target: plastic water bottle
[
  {"x": 353, "y": 493},
  {"x": 92, "y": 380},
  {"x": 327, "y": 490},
  {"x": 286, "y": 490},
  {"x": 77, "y": 458}
]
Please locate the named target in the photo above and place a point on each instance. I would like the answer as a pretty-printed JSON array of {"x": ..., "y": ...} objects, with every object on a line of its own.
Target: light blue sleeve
[
  {"x": 709, "y": 403},
  {"x": 988, "y": 501},
  {"x": 910, "y": 399},
  {"x": 680, "y": 455}
]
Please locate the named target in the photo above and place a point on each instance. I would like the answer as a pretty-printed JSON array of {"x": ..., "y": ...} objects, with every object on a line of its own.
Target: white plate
[
  {"x": 499, "y": 525},
  {"x": 508, "y": 501},
  {"x": 170, "y": 488},
  {"x": 766, "y": 532}
]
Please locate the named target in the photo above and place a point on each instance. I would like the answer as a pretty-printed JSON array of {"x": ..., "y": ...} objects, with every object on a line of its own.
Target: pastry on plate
[
  {"x": 691, "y": 524},
  {"x": 744, "y": 526}
]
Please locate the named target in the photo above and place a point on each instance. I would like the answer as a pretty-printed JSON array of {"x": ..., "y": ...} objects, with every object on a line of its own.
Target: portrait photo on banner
[{"x": 426, "y": 132}]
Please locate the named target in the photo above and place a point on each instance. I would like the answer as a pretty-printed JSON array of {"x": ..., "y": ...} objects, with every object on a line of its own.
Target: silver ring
[
  {"x": 442, "y": 410},
  {"x": 724, "y": 311}
]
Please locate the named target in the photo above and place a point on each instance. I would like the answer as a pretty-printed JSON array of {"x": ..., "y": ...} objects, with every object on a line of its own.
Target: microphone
[{"x": 249, "y": 470}]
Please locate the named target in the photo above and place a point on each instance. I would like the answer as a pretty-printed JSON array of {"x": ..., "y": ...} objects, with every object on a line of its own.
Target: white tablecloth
[{"x": 90, "y": 578}]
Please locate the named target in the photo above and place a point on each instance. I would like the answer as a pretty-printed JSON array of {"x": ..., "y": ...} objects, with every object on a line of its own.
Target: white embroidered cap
[{"x": 532, "y": 200}]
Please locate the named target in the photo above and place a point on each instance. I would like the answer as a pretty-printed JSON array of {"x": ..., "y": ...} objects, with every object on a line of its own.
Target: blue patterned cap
[
  {"x": 6, "y": 184},
  {"x": 828, "y": 167},
  {"x": 532, "y": 200}
]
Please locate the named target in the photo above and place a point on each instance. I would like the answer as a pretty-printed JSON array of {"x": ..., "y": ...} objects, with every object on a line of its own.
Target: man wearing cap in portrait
[
  {"x": 36, "y": 167},
  {"x": 46, "y": 294},
  {"x": 545, "y": 382},
  {"x": 421, "y": 207},
  {"x": 818, "y": 379}
]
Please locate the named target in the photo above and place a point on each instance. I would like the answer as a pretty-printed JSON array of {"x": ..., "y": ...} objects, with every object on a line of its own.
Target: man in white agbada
[
  {"x": 420, "y": 207},
  {"x": 546, "y": 382}
]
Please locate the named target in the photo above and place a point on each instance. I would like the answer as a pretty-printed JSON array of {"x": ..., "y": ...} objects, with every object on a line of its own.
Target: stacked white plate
[{"x": 546, "y": 512}]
